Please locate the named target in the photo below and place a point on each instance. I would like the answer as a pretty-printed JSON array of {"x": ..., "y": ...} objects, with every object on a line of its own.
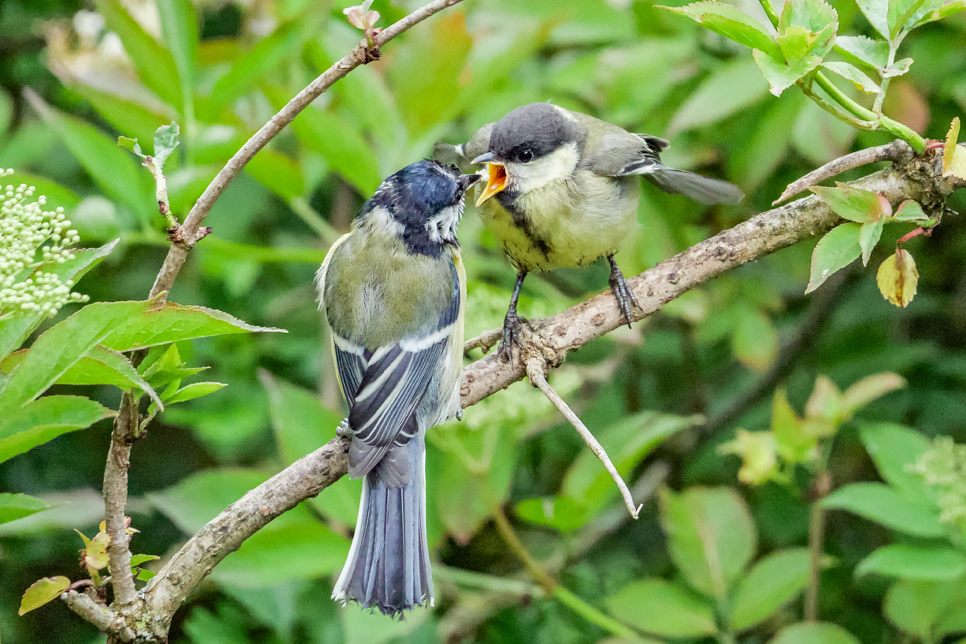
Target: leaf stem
[
  {"x": 884, "y": 82},
  {"x": 816, "y": 543},
  {"x": 770, "y": 12}
]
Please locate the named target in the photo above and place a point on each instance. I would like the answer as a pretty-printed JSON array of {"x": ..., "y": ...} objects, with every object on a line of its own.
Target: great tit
[
  {"x": 566, "y": 191},
  {"x": 393, "y": 291}
]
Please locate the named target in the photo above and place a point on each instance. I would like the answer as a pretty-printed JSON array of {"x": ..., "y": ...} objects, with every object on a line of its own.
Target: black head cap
[
  {"x": 532, "y": 131},
  {"x": 418, "y": 193}
]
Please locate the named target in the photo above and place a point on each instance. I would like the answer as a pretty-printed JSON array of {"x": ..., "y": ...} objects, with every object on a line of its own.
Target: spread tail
[
  {"x": 701, "y": 189},
  {"x": 388, "y": 566}
]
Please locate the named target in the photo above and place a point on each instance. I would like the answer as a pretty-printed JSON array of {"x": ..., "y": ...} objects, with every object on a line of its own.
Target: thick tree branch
[
  {"x": 191, "y": 231},
  {"x": 547, "y": 342},
  {"x": 98, "y": 614}
]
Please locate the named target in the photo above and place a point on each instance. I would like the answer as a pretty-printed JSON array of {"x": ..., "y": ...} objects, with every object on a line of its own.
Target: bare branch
[
  {"x": 115, "y": 500},
  {"x": 484, "y": 341},
  {"x": 98, "y": 614},
  {"x": 191, "y": 230},
  {"x": 898, "y": 150},
  {"x": 539, "y": 379}
]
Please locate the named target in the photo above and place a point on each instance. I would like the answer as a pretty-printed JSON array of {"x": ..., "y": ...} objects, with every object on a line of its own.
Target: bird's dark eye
[{"x": 526, "y": 155}]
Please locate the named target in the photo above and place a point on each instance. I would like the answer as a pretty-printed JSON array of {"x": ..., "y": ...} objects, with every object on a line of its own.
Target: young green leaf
[
  {"x": 814, "y": 633},
  {"x": 817, "y": 18},
  {"x": 165, "y": 141},
  {"x": 954, "y": 156},
  {"x": 839, "y": 248},
  {"x": 880, "y": 503},
  {"x": 897, "y": 278},
  {"x": 711, "y": 536},
  {"x": 877, "y": 13},
  {"x": 914, "y": 562},
  {"x": 42, "y": 592},
  {"x": 758, "y": 452},
  {"x": 794, "y": 444},
  {"x": 910, "y": 210},
  {"x": 942, "y": 12},
  {"x": 95, "y": 557},
  {"x": 864, "y": 50},
  {"x": 918, "y": 607},
  {"x": 868, "y": 389},
  {"x": 145, "y": 575},
  {"x": 854, "y": 204},
  {"x": 195, "y": 390},
  {"x": 869, "y": 236},
  {"x": 137, "y": 560},
  {"x": 894, "y": 450},
  {"x": 781, "y": 75},
  {"x": 774, "y": 581},
  {"x": 853, "y": 75},
  {"x": 17, "y": 506},
  {"x": 732, "y": 23},
  {"x": 45, "y": 419},
  {"x": 663, "y": 608}
]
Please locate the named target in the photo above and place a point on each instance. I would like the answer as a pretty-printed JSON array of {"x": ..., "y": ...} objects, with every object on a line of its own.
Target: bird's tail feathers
[
  {"x": 701, "y": 189},
  {"x": 388, "y": 567}
]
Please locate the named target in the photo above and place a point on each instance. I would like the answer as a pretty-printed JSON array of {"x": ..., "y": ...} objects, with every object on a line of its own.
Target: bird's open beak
[{"x": 496, "y": 182}]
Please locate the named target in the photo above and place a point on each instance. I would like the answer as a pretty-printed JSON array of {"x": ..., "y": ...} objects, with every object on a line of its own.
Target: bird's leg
[
  {"x": 621, "y": 290},
  {"x": 512, "y": 321},
  {"x": 344, "y": 430}
]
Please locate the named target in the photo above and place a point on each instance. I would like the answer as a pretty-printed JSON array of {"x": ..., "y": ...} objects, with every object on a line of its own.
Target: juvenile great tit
[
  {"x": 393, "y": 291},
  {"x": 566, "y": 192}
]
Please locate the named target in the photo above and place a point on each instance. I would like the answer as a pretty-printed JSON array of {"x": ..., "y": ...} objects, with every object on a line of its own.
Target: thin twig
[
  {"x": 115, "y": 501},
  {"x": 816, "y": 547},
  {"x": 484, "y": 341},
  {"x": 898, "y": 150},
  {"x": 362, "y": 54},
  {"x": 535, "y": 371},
  {"x": 98, "y": 614}
]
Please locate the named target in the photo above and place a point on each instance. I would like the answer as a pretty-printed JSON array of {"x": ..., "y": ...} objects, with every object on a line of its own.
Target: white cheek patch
[
  {"x": 381, "y": 218},
  {"x": 442, "y": 227},
  {"x": 557, "y": 166}
]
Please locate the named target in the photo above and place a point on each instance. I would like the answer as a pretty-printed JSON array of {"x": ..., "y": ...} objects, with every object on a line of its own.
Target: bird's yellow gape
[{"x": 496, "y": 183}]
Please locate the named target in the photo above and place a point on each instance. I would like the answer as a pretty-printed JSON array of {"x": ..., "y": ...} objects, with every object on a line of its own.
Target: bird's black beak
[{"x": 469, "y": 180}]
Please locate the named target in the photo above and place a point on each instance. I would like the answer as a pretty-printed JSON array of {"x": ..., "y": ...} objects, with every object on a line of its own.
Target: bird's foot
[
  {"x": 511, "y": 335},
  {"x": 343, "y": 429},
  {"x": 622, "y": 291}
]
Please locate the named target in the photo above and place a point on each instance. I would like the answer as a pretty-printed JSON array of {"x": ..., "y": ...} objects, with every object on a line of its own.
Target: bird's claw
[
  {"x": 511, "y": 335},
  {"x": 343, "y": 429},
  {"x": 623, "y": 293}
]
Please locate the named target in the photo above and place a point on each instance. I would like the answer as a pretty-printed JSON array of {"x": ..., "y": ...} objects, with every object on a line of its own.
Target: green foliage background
[{"x": 643, "y": 391}]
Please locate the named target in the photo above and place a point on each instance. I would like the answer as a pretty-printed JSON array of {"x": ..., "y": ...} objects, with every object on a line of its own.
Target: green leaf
[
  {"x": 794, "y": 444},
  {"x": 914, "y": 562},
  {"x": 855, "y": 204},
  {"x": 853, "y": 75},
  {"x": 897, "y": 68},
  {"x": 869, "y": 235},
  {"x": 876, "y": 12},
  {"x": 731, "y": 23},
  {"x": 904, "y": 14},
  {"x": 557, "y": 512},
  {"x": 259, "y": 64},
  {"x": 42, "y": 592},
  {"x": 882, "y": 504},
  {"x": 868, "y": 389},
  {"x": 15, "y": 331},
  {"x": 179, "y": 30},
  {"x": 145, "y": 575},
  {"x": 431, "y": 70},
  {"x": 125, "y": 115},
  {"x": 278, "y": 173},
  {"x": 711, "y": 536},
  {"x": 6, "y": 111},
  {"x": 201, "y": 496},
  {"x": 173, "y": 323},
  {"x": 910, "y": 210},
  {"x": 895, "y": 449},
  {"x": 113, "y": 170},
  {"x": 817, "y": 18},
  {"x": 195, "y": 390},
  {"x": 155, "y": 65},
  {"x": 918, "y": 606},
  {"x": 730, "y": 89},
  {"x": 754, "y": 339},
  {"x": 54, "y": 352},
  {"x": 774, "y": 581},
  {"x": 834, "y": 251},
  {"x": 165, "y": 141},
  {"x": 663, "y": 608},
  {"x": 17, "y": 506},
  {"x": 44, "y": 420},
  {"x": 864, "y": 50},
  {"x": 782, "y": 75},
  {"x": 137, "y": 560},
  {"x": 814, "y": 633},
  {"x": 942, "y": 12}
]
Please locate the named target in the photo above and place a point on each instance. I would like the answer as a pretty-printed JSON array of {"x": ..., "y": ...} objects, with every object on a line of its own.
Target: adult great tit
[
  {"x": 566, "y": 191},
  {"x": 393, "y": 291}
]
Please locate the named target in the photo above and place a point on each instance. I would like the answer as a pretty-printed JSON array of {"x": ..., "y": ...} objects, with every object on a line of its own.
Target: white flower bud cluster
[
  {"x": 943, "y": 466},
  {"x": 26, "y": 231}
]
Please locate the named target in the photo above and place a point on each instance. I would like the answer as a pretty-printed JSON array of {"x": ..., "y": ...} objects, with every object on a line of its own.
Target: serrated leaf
[
  {"x": 836, "y": 250},
  {"x": 894, "y": 450},
  {"x": 41, "y": 592},
  {"x": 780, "y": 74},
  {"x": 732, "y": 23},
  {"x": 774, "y": 581},
  {"x": 864, "y": 50},
  {"x": 131, "y": 145},
  {"x": 943, "y": 12},
  {"x": 869, "y": 236},
  {"x": 45, "y": 419},
  {"x": 904, "y": 14},
  {"x": 853, "y": 75},
  {"x": 816, "y": 18},
  {"x": 165, "y": 141},
  {"x": 195, "y": 390},
  {"x": 880, "y": 503},
  {"x": 897, "y": 278},
  {"x": 855, "y": 204},
  {"x": 18, "y": 506},
  {"x": 663, "y": 608},
  {"x": 914, "y": 562},
  {"x": 897, "y": 68},
  {"x": 877, "y": 13},
  {"x": 954, "y": 156}
]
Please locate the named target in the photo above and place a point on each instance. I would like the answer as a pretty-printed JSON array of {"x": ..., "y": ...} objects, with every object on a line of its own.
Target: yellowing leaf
[
  {"x": 41, "y": 592},
  {"x": 897, "y": 278},
  {"x": 96, "y": 554},
  {"x": 954, "y": 157},
  {"x": 758, "y": 452}
]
